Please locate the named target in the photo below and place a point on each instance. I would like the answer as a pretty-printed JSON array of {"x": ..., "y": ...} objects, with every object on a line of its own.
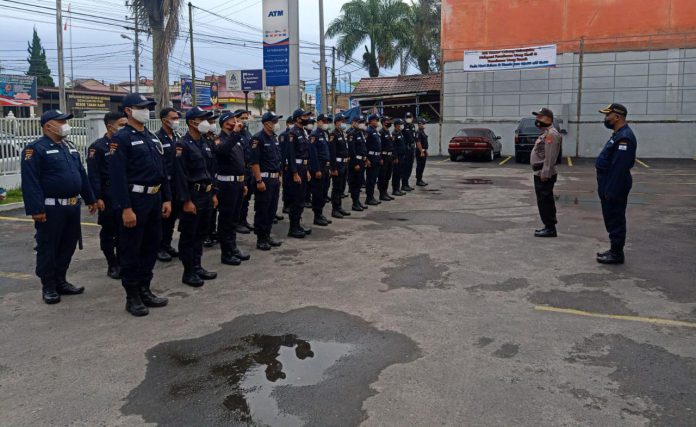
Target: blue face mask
[{"x": 344, "y": 126}]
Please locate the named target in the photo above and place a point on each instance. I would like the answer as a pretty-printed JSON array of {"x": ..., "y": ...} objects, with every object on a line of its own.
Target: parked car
[
  {"x": 475, "y": 142},
  {"x": 526, "y": 135}
]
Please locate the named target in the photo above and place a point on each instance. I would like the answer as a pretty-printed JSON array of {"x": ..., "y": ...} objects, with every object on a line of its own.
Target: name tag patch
[
  {"x": 137, "y": 142},
  {"x": 51, "y": 151},
  {"x": 166, "y": 145},
  {"x": 623, "y": 147}
]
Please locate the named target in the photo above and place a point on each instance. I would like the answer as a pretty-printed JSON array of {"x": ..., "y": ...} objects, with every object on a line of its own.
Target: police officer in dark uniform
[
  {"x": 98, "y": 171},
  {"x": 210, "y": 138},
  {"x": 296, "y": 171},
  {"x": 282, "y": 143},
  {"x": 230, "y": 186},
  {"x": 265, "y": 166},
  {"x": 374, "y": 159},
  {"x": 339, "y": 158},
  {"x": 319, "y": 169},
  {"x": 387, "y": 157},
  {"x": 614, "y": 180},
  {"x": 399, "y": 155},
  {"x": 309, "y": 128},
  {"x": 168, "y": 135},
  {"x": 421, "y": 152},
  {"x": 406, "y": 161},
  {"x": 141, "y": 197},
  {"x": 357, "y": 151},
  {"x": 194, "y": 181},
  {"x": 52, "y": 180},
  {"x": 243, "y": 225},
  {"x": 325, "y": 127}
]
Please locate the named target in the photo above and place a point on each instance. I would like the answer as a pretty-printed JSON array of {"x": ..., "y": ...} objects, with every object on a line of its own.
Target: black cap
[
  {"x": 398, "y": 122},
  {"x": 197, "y": 112},
  {"x": 136, "y": 100},
  {"x": 288, "y": 120},
  {"x": 619, "y": 109},
  {"x": 299, "y": 113},
  {"x": 358, "y": 119},
  {"x": 225, "y": 117},
  {"x": 324, "y": 117},
  {"x": 270, "y": 116},
  {"x": 312, "y": 120},
  {"x": 386, "y": 119},
  {"x": 544, "y": 112},
  {"x": 422, "y": 121},
  {"x": 54, "y": 115},
  {"x": 339, "y": 117},
  {"x": 408, "y": 115},
  {"x": 239, "y": 112},
  {"x": 372, "y": 117}
]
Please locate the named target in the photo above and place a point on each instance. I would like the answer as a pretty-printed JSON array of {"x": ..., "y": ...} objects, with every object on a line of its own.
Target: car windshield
[
  {"x": 527, "y": 126},
  {"x": 473, "y": 132}
]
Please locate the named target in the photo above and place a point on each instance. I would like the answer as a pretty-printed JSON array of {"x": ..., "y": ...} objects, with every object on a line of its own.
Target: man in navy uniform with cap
[
  {"x": 296, "y": 171},
  {"x": 357, "y": 150},
  {"x": 194, "y": 184},
  {"x": 265, "y": 166},
  {"x": 421, "y": 152},
  {"x": 168, "y": 134},
  {"x": 386, "y": 170},
  {"x": 243, "y": 226},
  {"x": 410, "y": 137},
  {"x": 614, "y": 180},
  {"x": 283, "y": 144},
  {"x": 98, "y": 172},
  {"x": 319, "y": 168},
  {"x": 52, "y": 180},
  {"x": 142, "y": 197},
  {"x": 374, "y": 159},
  {"x": 338, "y": 150},
  {"x": 399, "y": 155}
]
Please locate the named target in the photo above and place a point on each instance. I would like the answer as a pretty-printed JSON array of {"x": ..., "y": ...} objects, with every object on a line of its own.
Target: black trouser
[
  {"x": 338, "y": 186},
  {"x": 169, "y": 223},
  {"x": 420, "y": 166},
  {"x": 265, "y": 206},
  {"x": 296, "y": 194},
  {"x": 372, "y": 174},
  {"x": 614, "y": 213},
  {"x": 356, "y": 179},
  {"x": 385, "y": 173},
  {"x": 138, "y": 246},
  {"x": 317, "y": 187},
  {"x": 545, "y": 200},
  {"x": 194, "y": 229},
  {"x": 108, "y": 235},
  {"x": 56, "y": 240},
  {"x": 285, "y": 186},
  {"x": 249, "y": 181},
  {"x": 407, "y": 165},
  {"x": 230, "y": 198},
  {"x": 396, "y": 174},
  {"x": 327, "y": 182},
  {"x": 213, "y": 224}
]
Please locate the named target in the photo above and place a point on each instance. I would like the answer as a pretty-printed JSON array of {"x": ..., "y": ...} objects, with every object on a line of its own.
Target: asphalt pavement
[{"x": 439, "y": 308}]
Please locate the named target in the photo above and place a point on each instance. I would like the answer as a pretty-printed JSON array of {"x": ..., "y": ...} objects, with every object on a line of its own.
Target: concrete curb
[{"x": 11, "y": 206}]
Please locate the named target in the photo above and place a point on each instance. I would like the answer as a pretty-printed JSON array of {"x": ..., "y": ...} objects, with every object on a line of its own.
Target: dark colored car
[
  {"x": 475, "y": 142},
  {"x": 526, "y": 135}
]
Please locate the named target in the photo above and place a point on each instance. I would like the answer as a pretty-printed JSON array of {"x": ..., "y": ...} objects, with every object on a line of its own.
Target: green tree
[
  {"x": 37, "y": 62},
  {"x": 258, "y": 102},
  {"x": 422, "y": 45},
  {"x": 162, "y": 18},
  {"x": 375, "y": 24}
]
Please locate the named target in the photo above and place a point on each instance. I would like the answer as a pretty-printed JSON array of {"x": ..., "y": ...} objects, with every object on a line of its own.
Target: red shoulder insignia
[
  {"x": 92, "y": 152},
  {"x": 179, "y": 150},
  {"x": 28, "y": 153},
  {"x": 113, "y": 147}
]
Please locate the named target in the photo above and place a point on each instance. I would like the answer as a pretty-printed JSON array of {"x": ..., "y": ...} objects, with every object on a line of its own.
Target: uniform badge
[
  {"x": 28, "y": 153},
  {"x": 91, "y": 153},
  {"x": 254, "y": 143},
  {"x": 623, "y": 146},
  {"x": 179, "y": 150},
  {"x": 113, "y": 147},
  {"x": 312, "y": 139},
  {"x": 549, "y": 139}
]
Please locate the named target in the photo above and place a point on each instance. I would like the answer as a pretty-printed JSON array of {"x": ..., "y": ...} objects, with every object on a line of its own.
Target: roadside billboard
[
  {"x": 206, "y": 93},
  {"x": 510, "y": 59},
  {"x": 17, "y": 91},
  {"x": 276, "y": 42}
]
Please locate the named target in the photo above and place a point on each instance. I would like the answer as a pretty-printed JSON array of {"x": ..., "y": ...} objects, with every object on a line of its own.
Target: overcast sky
[{"x": 110, "y": 63}]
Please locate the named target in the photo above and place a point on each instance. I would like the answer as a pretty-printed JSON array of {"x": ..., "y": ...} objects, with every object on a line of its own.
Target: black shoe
[
  {"x": 229, "y": 259},
  {"x": 239, "y": 228},
  {"x": 327, "y": 220},
  {"x": 407, "y": 188},
  {"x": 50, "y": 296},
  {"x": 114, "y": 271},
  {"x": 204, "y": 274},
  {"x": 320, "y": 221},
  {"x": 296, "y": 232},
  {"x": 247, "y": 225},
  {"x": 190, "y": 278},
  {"x": 66, "y": 288},
  {"x": 599, "y": 254},
  {"x": 135, "y": 306},
  {"x": 151, "y": 300},
  {"x": 398, "y": 193},
  {"x": 611, "y": 258},
  {"x": 336, "y": 214},
  {"x": 208, "y": 243},
  {"x": 546, "y": 232},
  {"x": 241, "y": 255},
  {"x": 279, "y": 217},
  {"x": 262, "y": 244},
  {"x": 357, "y": 207},
  {"x": 343, "y": 196},
  {"x": 421, "y": 183},
  {"x": 343, "y": 212},
  {"x": 163, "y": 255},
  {"x": 171, "y": 251},
  {"x": 371, "y": 202},
  {"x": 286, "y": 210},
  {"x": 273, "y": 242},
  {"x": 384, "y": 198},
  {"x": 308, "y": 205},
  {"x": 363, "y": 206},
  {"x": 305, "y": 230}
]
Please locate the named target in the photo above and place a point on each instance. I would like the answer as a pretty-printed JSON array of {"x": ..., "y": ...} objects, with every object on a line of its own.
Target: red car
[{"x": 478, "y": 142}]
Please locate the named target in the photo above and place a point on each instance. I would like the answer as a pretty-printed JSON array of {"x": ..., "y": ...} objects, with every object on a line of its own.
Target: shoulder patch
[
  {"x": 313, "y": 139},
  {"x": 92, "y": 152},
  {"x": 179, "y": 150},
  {"x": 28, "y": 153},
  {"x": 549, "y": 139},
  {"x": 113, "y": 147},
  {"x": 254, "y": 143}
]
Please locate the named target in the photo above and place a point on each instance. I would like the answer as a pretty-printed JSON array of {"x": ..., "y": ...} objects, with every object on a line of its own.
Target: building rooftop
[{"x": 397, "y": 85}]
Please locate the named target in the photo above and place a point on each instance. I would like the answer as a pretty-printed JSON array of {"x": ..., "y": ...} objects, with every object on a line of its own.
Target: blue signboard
[
  {"x": 318, "y": 102},
  {"x": 252, "y": 80},
  {"x": 276, "y": 42}
]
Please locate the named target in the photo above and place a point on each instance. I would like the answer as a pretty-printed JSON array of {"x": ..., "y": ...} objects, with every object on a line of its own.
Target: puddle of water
[{"x": 475, "y": 181}]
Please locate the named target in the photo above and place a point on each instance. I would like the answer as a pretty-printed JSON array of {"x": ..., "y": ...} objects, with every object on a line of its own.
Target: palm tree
[
  {"x": 422, "y": 45},
  {"x": 162, "y": 18},
  {"x": 377, "y": 23}
]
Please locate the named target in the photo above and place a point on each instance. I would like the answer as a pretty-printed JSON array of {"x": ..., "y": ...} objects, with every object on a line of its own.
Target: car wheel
[
  {"x": 519, "y": 158},
  {"x": 491, "y": 155}
]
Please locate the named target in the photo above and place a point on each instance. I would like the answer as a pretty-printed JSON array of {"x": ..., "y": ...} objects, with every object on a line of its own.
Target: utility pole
[
  {"x": 61, "y": 65},
  {"x": 193, "y": 64},
  {"x": 137, "y": 51},
  {"x": 578, "y": 107},
  {"x": 322, "y": 58},
  {"x": 333, "y": 79}
]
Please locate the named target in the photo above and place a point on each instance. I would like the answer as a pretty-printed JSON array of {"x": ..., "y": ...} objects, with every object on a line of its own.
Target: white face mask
[
  {"x": 325, "y": 126},
  {"x": 174, "y": 124},
  {"x": 310, "y": 127},
  {"x": 409, "y": 120},
  {"x": 344, "y": 126},
  {"x": 141, "y": 116},
  {"x": 212, "y": 127},
  {"x": 276, "y": 127},
  {"x": 203, "y": 127},
  {"x": 362, "y": 126},
  {"x": 63, "y": 130},
  {"x": 378, "y": 128},
  {"x": 118, "y": 129}
]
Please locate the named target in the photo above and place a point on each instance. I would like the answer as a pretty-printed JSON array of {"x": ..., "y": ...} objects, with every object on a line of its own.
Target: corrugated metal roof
[{"x": 380, "y": 86}]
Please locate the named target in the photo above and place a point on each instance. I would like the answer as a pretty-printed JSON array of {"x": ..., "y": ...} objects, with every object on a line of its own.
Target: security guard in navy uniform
[
  {"x": 266, "y": 166},
  {"x": 338, "y": 150},
  {"x": 168, "y": 134},
  {"x": 406, "y": 161},
  {"x": 230, "y": 186},
  {"x": 52, "y": 180},
  {"x": 421, "y": 152},
  {"x": 141, "y": 197},
  {"x": 243, "y": 226},
  {"x": 373, "y": 143},
  {"x": 309, "y": 128},
  {"x": 98, "y": 172},
  {"x": 399, "y": 155},
  {"x": 614, "y": 180},
  {"x": 319, "y": 169},
  {"x": 210, "y": 138},
  {"x": 194, "y": 182},
  {"x": 357, "y": 151},
  {"x": 282, "y": 143},
  {"x": 296, "y": 173},
  {"x": 386, "y": 170}
]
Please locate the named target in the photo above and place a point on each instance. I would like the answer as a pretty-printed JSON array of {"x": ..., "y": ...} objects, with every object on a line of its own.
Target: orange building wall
[{"x": 607, "y": 25}]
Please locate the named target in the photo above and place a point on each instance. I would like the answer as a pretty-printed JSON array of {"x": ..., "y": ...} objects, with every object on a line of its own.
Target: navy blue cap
[
  {"x": 54, "y": 115},
  {"x": 312, "y": 120},
  {"x": 422, "y": 121},
  {"x": 339, "y": 117},
  {"x": 270, "y": 116},
  {"x": 358, "y": 119},
  {"x": 136, "y": 100},
  {"x": 386, "y": 119},
  {"x": 299, "y": 113},
  {"x": 225, "y": 117},
  {"x": 372, "y": 117},
  {"x": 325, "y": 117},
  {"x": 197, "y": 112},
  {"x": 289, "y": 119},
  {"x": 398, "y": 122},
  {"x": 409, "y": 115},
  {"x": 239, "y": 112}
]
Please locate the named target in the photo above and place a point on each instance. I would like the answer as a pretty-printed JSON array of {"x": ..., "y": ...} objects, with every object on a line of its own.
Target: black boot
[
  {"x": 113, "y": 270},
  {"x": 383, "y": 197},
  {"x": 163, "y": 255},
  {"x": 191, "y": 278},
  {"x": 614, "y": 256},
  {"x": 204, "y": 274},
  {"x": 65, "y": 288},
  {"x": 603, "y": 253},
  {"x": 241, "y": 229},
  {"x": 228, "y": 258},
  {"x": 149, "y": 299},
  {"x": 273, "y": 242},
  {"x": 48, "y": 291},
  {"x": 357, "y": 207},
  {"x": 279, "y": 217},
  {"x": 134, "y": 303},
  {"x": 343, "y": 211},
  {"x": 372, "y": 202},
  {"x": 247, "y": 225},
  {"x": 305, "y": 230},
  {"x": 546, "y": 232},
  {"x": 171, "y": 251},
  {"x": 407, "y": 187},
  {"x": 319, "y": 219},
  {"x": 336, "y": 214},
  {"x": 262, "y": 243},
  {"x": 296, "y": 231},
  {"x": 421, "y": 183},
  {"x": 241, "y": 255}
]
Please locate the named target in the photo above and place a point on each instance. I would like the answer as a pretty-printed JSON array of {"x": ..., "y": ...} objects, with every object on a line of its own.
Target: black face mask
[
  {"x": 608, "y": 124},
  {"x": 541, "y": 125},
  {"x": 387, "y": 125},
  {"x": 305, "y": 122}
]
